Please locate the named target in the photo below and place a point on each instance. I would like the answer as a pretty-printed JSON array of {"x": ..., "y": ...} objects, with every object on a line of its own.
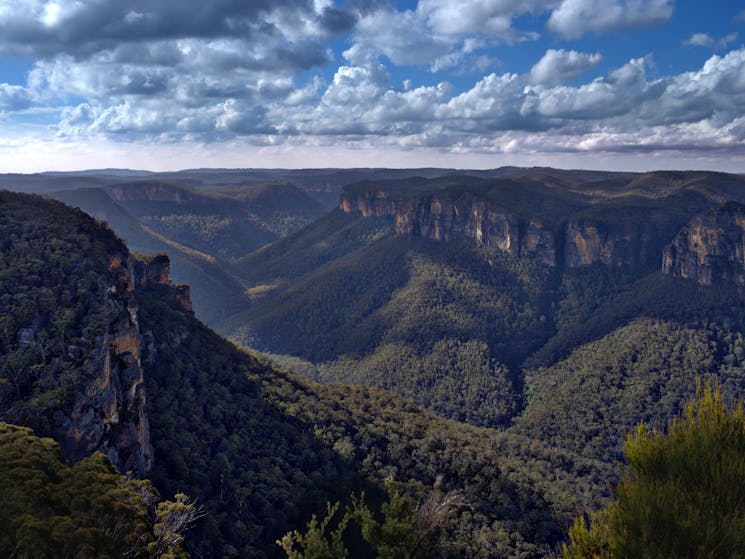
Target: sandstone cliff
[
  {"x": 612, "y": 243},
  {"x": 108, "y": 413},
  {"x": 711, "y": 248},
  {"x": 152, "y": 191},
  {"x": 562, "y": 240},
  {"x": 154, "y": 271},
  {"x": 444, "y": 218}
]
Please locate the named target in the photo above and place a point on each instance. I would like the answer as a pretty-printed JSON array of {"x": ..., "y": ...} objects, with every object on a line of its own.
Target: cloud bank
[{"x": 271, "y": 72}]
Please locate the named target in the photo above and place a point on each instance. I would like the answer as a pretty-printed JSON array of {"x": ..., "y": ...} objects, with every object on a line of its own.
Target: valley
[{"x": 490, "y": 333}]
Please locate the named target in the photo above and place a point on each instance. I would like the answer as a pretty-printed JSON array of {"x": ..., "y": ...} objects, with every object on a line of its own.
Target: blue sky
[{"x": 615, "y": 84}]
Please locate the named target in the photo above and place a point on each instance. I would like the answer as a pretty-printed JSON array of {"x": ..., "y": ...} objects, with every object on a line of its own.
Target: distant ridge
[{"x": 99, "y": 172}]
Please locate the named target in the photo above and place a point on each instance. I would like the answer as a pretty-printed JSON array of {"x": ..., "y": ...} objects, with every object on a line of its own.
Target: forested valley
[{"x": 395, "y": 366}]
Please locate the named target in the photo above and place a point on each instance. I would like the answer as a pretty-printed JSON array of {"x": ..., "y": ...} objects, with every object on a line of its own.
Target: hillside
[
  {"x": 394, "y": 292},
  {"x": 451, "y": 290},
  {"x": 226, "y": 224},
  {"x": 216, "y": 288},
  {"x": 131, "y": 373}
]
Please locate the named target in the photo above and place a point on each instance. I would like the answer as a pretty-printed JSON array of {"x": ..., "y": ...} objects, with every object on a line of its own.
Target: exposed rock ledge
[
  {"x": 573, "y": 242},
  {"x": 711, "y": 248}
]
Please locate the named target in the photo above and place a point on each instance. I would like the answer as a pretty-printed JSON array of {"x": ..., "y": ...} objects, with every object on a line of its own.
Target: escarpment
[
  {"x": 612, "y": 243},
  {"x": 711, "y": 248},
  {"x": 70, "y": 341},
  {"x": 154, "y": 271},
  {"x": 108, "y": 414},
  {"x": 560, "y": 240},
  {"x": 153, "y": 191}
]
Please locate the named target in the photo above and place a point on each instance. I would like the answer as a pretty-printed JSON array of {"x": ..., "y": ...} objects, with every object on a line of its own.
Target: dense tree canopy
[{"x": 683, "y": 495}]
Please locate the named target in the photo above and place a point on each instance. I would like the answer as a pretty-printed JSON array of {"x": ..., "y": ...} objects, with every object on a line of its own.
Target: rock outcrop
[
  {"x": 711, "y": 248},
  {"x": 445, "y": 218},
  {"x": 149, "y": 270},
  {"x": 108, "y": 413},
  {"x": 154, "y": 271},
  {"x": 568, "y": 241},
  {"x": 614, "y": 244}
]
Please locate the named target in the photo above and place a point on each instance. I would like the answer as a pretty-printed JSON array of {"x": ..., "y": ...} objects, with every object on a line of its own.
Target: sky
[{"x": 175, "y": 84}]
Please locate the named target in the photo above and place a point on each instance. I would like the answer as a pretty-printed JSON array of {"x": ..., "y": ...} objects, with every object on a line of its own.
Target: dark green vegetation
[
  {"x": 87, "y": 510},
  {"x": 260, "y": 450},
  {"x": 406, "y": 530},
  {"x": 263, "y": 450},
  {"x": 54, "y": 271},
  {"x": 426, "y": 319},
  {"x": 463, "y": 329},
  {"x": 564, "y": 339},
  {"x": 51, "y": 509},
  {"x": 683, "y": 495}
]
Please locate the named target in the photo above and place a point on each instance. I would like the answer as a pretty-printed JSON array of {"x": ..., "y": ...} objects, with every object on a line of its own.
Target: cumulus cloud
[
  {"x": 441, "y": 34},
  {"x": 478, "y": 17},
  {"x": 559, "y": 66},
  {"x": 706, "y": 40},
  {"x": 574, "y": 18},
  {"x": 81, "y": 27},
  {"x": 236, "y": 69},
  {"x": 401, "y": 36},
  {"x": 503, "y": 113},
  {"x": 14, "y": 97}
]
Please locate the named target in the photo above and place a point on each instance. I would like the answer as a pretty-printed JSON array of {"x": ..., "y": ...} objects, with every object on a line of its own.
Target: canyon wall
[
  {"x": 711, "y": 248},
  {"x": 571, "y": 242}
]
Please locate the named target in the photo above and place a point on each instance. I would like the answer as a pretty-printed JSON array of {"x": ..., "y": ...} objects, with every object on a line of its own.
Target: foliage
[
  {"x": 445, "y": 325},
  {"x": 684, "y": 494},
  {"x": 454, "y": 379},
  {"x": 314, "y": 544},
  {"x": 643, "y": 372},
  {"x": 405, "y": 532},
  {"x": 54, "y": 273},
  {"x": 262, "y": 451},
  {"x": 216, "y": 438},
  {"x": 172, "y": 519},
  {"x": 87, "y": 510}
]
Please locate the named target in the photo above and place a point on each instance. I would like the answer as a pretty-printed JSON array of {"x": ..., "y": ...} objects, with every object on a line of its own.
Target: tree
[
  {"x": 684, "y": 495},
  {"x": 172, "y": 519},
  {"x": 406, "y": 532},
  {"x": 314, "y": 544}
]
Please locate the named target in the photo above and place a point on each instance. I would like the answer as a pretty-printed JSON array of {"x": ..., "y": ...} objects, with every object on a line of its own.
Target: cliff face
[
  {"x": 614, "y": 245},
  {"x": 154, "y": 271},
  {"x": 573, "y": 243},
  {"x": 444, "y": 218},
  {"x": 70, "y": 341},
  {"x": 108, "y": 412},
  {"x": 711, "y": 248},
  {"x": 151, "y": 191}
]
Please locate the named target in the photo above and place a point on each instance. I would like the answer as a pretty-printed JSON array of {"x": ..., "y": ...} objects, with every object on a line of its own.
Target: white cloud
[
  {"x": 478, "y": 17},
  {"x": 401, "y": 36},
  {"x": 14, "y": 97},
  {"x": 559, "y": 66},
  {"x": 492, "y": 104},
  {"x": 574, "y": 18},
  {"x": 706, "y": 40},
  {"x": 441, "y": 34},
  {"x": 500, "y": 113},
  {"x": 240, "y": 76}
]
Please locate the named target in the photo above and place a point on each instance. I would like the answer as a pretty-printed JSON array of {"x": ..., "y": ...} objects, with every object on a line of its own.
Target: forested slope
[{"x": 259, "y": 450}]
